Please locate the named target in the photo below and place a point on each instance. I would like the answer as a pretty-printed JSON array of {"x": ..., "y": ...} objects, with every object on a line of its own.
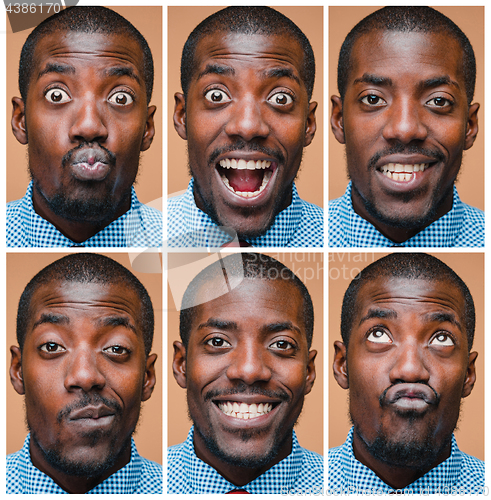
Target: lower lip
[
  {"x": 93, "y": 423},
  {"x": 86, "y": 172},
  {"x": 410, "y": 404}
]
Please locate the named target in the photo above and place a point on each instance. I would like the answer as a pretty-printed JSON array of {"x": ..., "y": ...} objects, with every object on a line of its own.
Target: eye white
[
  {"x": 442, "y": 339},
  {"x": 57, "y": 96},
  {"x": 217, "y": 96},
  {"x": 218, "y": 342},
  {"x": 121, "y": 98},
  {"x": 379, "y": 336},
  {"x": 52, "y": 347},
  {"x": 281, "y": 99}
]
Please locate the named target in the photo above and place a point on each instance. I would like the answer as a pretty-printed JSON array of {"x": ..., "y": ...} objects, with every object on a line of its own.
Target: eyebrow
[
  {"x": 53, "y": 319},
  {"x": 378, "y": 313},
  {"x": 442, "y": 317},
  {"x": 281, "y": 326},
  {"x": 437, "y": 81},
  {"x": 216, "y": 69},
  {"x": 122, "y": 71},
  {"x": 62, "y": 69},
  {"x": 117, "y": 321},
  {"x": 281, "y": 73},
  {"x": 380, "y": 81},
  {"x": 220, "y": 324}
]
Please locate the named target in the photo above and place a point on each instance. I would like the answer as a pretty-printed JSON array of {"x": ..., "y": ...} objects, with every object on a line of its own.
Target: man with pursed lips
[
  {"x": 83, "y": 364},
  {"x": 407, "y": 325},
  {"x": 405, "y": 113},
  {"x": 245, "y": 110},
  {"x": 244, "y": 358},
  {"x": 86, "y": 81}
]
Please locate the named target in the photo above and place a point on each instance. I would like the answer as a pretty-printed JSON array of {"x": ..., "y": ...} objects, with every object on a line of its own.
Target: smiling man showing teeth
[
  {"x": 407, "y": 328},
  {"x": 247, "y": 75},
  {"x": 246, "y": 364},
  {"x": 406, "y": 79}
]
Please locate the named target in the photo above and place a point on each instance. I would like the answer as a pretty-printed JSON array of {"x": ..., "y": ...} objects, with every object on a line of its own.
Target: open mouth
[
  {"x": 243, "y": 410},
  {"x": 403, "y": 172},
  {"x": 245, "y": 178}
]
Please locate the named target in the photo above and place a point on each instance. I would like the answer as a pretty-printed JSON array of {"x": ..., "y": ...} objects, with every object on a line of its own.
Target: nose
[
  {"x": 404, "y": 122},
  {"x": 247, "y": 120},
  {"x": 409, "y": 365},
  {"x": 249, "y": 364},
  {"x": 88, "y": 122},
  {"x": 83, "y": 371}
]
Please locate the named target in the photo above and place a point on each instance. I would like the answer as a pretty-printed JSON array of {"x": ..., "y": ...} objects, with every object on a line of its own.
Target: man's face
[
  {"x": 247, "y": 119},
  {"x": 247, "y": 369},
  {"x": 407, "y": 368},
  {"x": 405, "y": 122},
  {"x": 86, "y": 120},
  {"x": 84, "y": 374}
]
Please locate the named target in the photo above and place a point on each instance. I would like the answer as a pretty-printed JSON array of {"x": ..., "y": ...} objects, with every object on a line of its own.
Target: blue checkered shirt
[
  {"x": 140, "y": 226},
  {"x": 139, "y": 475},
  {"x": 300, "y": 473},
  {"x": 462, "y": 226},
  {"x": 300, "y": 225},
  {"x": 457, "y": 475}
]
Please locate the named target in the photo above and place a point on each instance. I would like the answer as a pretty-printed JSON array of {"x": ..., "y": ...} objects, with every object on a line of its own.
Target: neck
[{"x": 395, "y": 476}]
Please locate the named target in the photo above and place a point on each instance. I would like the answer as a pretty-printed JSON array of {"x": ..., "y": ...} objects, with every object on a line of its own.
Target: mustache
[
  {"x": 241, "y": 145},
  {"x": 92, "y": 399},
  {"x": 81, "y": 153},
  {"x": 400, "y": 148},
  {"x": 242, "y": 388}
]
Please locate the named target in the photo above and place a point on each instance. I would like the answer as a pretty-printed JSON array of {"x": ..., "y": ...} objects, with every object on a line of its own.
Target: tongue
[{"x": 245, "y": 180}]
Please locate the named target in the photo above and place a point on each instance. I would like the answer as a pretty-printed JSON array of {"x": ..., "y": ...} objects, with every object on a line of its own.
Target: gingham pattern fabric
[
  {"x": 459, "y": 474},
  {"x": 462, "y": 226},
  {"x": 137, "y": 476},
  {"x": 300, "y": 473},
  {"x": 299, "y": 225},
  {"x": 141, "y": 226}
]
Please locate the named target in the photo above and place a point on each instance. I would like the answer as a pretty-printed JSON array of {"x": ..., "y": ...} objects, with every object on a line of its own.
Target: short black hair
[
  {"x": 249, "y": 21},
  {"x": 408, "y": 19},
  {"x": 87, "y": 268},
  {"x": 83, "y": 20},
  {"x": 410, "y": 266},
  {"x": 234, "y": 267}
]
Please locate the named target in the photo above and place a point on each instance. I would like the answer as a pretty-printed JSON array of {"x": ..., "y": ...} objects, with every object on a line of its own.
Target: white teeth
[
  {"x": 248, "y": 194},
  {"x": 243, "y": 164},
  {"x": 245, "y": 411},
  {"x": 400, "y": 172}
]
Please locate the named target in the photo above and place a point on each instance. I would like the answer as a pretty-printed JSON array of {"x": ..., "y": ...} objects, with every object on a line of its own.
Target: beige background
[
  {"x": 470, "y": 267},
  {"x": 309, "y": 268},
  {"x": 182, "y": 20},
  {"x": 148, "y": 20},
  {"x": 470, "y": 20},
  {"x": 20, "y": 269}
]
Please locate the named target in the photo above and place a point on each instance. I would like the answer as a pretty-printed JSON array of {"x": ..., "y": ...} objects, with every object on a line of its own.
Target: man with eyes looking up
[
  {"x": 86, "y": 80},
  {"x": 246, "y": 326},
  {"x": 84, "y": 331},
  {"x": 406, "y": 80},
  {"x": 247, "y": 77},
  {"x": 407, "y": 325}
]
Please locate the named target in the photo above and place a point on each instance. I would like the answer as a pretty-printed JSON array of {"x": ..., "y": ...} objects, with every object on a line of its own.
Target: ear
[
  {"x": 310, "y": 372},
  {"x": 149, "y": 382},
  {"x": 472, "y": 126},
  {"x": 337, "y": 119},
  {"x": 311, "y": 124},
  {"x": 179, "y": 364},
  {"x": 16, "y": 370},
  {"x": 180, "y": 115},
  {"x": 19, "y": 120},
  {"x": 339, "y": 366},
  {"x": 149, "y": 129},
  {"x": 470, "y": 378}
]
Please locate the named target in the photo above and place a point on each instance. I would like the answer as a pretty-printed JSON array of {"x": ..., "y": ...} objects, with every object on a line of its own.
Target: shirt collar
[
  {"x": 442, "y": 233},
  {"x": 205, "y": 479}
]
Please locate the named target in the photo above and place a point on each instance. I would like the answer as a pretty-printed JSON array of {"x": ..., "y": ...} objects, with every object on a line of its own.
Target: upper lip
[
  {"x": 410, "y": 159},
  {"x": 247, "y": 399},
  {"x": 91, "y": 412},
  {"x": 84, "y": 155},
  {"x": 409, "y": 390}
]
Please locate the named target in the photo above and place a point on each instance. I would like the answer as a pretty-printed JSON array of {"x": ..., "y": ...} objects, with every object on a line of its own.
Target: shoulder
[
  {"x": 312, "y": 212},
  {"x": 13, "y": 479},
  {"x": 151, "y": 477},
  {"x": 310, "y": 230},
  {"x": 472, "y": 233},
  {"x": 472, "y": 471},
  {"x": 176, "y": 477},
  {"x": 16, "y": 233},
  {"x": 311, "y": 478}
]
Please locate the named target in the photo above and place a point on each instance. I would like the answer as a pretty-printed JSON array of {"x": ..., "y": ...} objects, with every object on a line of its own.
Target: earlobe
[
  {"x": 150, "y": 379},
  {"x": 179, "y": 364},
  {"x": 472, "y": 126},
  {"x": 470, "y": 378},
  {"x": 310, "y": 372},
  {"x": 337, "y": 119},
  {"x": 149, "y": 129},
  {"x": 16, "y": 370},
  {"x": 180, "y": 115},
  {"x": 339, "y": 366},
  {"x": 19, "y": 120},
  {"x": 311, "y": 126}
]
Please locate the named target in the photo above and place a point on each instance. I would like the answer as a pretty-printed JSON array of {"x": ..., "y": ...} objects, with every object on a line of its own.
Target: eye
[
  {"x": 218, "y": 342},
  {"x": 442, "y": 339},
  {"x": 121, "y": 98},
  {"x": 52, "y": 347},
  {"x": 217, "y": 95},
  {"x": 379, "y": 336},
  {"x": 57, "y": 96},
  {"x": 439, "y": 102},
  {"x": 281, "y": 99},
  {"x": 118, "y": 350},
  {"x": 373, "y": 100},
  {"x": 282, "y": 345}
]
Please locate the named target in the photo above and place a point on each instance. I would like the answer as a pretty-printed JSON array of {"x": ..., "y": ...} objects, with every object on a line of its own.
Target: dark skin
[
  {"x": 83, "y": 352},
  {"x": 252, "y": 338},
  {"x": 86, "y": 90},
  {"x": 407, "y": 336},
  {"x": 405, "y": 104}
]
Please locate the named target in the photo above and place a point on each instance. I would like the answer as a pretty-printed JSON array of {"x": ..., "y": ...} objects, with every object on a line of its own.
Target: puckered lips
[
  {"x": 90, "y": 164},
  {"x": 92, "y": 417},
  {"x": 248, "y": 180},
  {"x": 408, "y": 397}
]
